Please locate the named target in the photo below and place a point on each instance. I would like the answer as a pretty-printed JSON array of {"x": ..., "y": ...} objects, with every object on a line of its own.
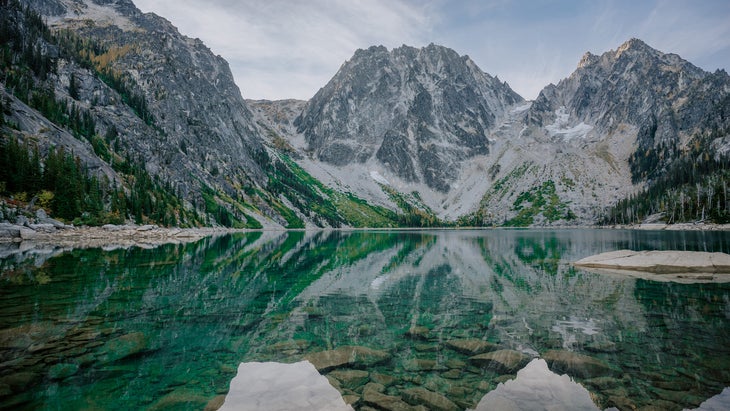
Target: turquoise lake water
[{"x": 394, "y": 319}]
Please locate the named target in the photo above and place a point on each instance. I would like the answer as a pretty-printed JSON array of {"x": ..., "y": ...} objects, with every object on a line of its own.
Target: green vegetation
[
  {"x": 691, "y": 191},
  {"x": 63, "y": 186},
  {"x": 323, "y": 204},
  {"x": 60, "y": 182},
  {"x": 218, "y": 207},
  {"x": 415, "y": 213},
  {"x": 98, "y": 58},
  {"x": 482, "y": 217},
  {"x": 541, "y": 200}
]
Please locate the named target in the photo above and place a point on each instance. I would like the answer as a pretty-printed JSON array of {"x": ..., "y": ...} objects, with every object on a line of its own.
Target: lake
[{"x": 443, "y": 319}]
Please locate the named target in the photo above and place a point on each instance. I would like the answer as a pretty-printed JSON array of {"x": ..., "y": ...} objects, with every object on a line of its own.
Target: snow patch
[
  {"x": 522, "y": 108},
  {"x": 379, "y": 178},
  {"x": 102, "y": 15},
  {"x": 562, "y": 128}
]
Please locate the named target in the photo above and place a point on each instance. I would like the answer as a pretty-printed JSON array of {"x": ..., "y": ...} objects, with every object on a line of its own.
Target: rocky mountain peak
[
  {"x": 630, "y": 86},
  {"x": 417, "y": 111}
]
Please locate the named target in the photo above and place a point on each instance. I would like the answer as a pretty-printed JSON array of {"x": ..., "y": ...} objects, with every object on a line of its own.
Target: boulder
[
  {"x": 387, "y": 402},
  {"x": 659, "y": 262},
  {"x": 43, "y": 228},
  {"x": 418, "y": 333},
  {"x": 351, "y": 379},
  {"x": 28, "y": 233},
  {"x": 9, "y": 231},
  {"x": 55, "y": 223},
  {"x": 122, "y": 347},
  {"x": 22, "y": 220},
  {"x": 576, "y": 365},
  {"x": 353, "y": 356},
  {"x": 471, "y": 346},
  {"x": 429, "y": 399},
  {"x": 502, "y": 361},
  {"x": 41, "y": 214}
]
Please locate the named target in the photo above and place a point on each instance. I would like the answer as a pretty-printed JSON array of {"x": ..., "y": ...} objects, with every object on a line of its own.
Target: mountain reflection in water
[{"x": 437, "y": 319}]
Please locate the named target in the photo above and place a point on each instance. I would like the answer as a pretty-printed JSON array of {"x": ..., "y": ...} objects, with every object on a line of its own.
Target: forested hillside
[
  {"x": 57, "y": 179},
  {"x": 693, "y": 187}
]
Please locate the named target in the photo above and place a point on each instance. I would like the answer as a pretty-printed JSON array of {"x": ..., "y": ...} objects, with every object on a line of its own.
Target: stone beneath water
[
  {"x": 122, "y": 347},
  {"x": 355, "y": 356},
  {"x": 577, "y": 365},
  {"x": 430, "y": 399},
  {"x": 387, "y": 402},
  {"x": 683, "y": 266},
  {"x": 471, "y": 346},
  {"x": 502, "y": 361}
]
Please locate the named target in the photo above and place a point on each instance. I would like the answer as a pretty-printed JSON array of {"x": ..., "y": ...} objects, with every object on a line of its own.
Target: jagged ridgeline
[{"x": 155, "y": 125}]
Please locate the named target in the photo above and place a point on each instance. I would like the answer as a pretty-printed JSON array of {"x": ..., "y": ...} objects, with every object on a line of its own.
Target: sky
[{"x": 280, "y": 49}]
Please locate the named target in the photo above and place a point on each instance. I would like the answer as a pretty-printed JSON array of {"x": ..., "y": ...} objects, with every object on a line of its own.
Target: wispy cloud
[{"x": 289, "y": 49}]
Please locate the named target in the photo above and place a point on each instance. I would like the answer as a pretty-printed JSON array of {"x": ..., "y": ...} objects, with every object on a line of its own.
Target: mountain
[
  {"x": 156, "y": 107},
  {"x": 446, "y": 137},
  {"x": 418, "y": 112},
  {"x": 611, "y": 128},
  {"x": 402, "y": 137}
]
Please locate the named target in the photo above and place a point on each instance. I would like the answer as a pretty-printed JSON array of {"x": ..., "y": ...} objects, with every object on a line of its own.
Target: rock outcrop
[
  {"x": 419, "y": 112},
  {"x": 679, "y": 265}
]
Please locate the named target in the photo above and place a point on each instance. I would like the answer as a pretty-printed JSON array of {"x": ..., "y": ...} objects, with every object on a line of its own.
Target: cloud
[
  {"x": 289, "y": 49},
  {"x": 697, "y": 31}
]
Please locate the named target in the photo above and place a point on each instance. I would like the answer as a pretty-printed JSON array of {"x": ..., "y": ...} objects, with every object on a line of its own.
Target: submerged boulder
[
  {"x": 354, "y": 356},
  {"x": 575, "y": 364},
  {"x": 429, "y": 399},
  {"x": 471, "y": 346},
  {"x": 502, "y": 361}
]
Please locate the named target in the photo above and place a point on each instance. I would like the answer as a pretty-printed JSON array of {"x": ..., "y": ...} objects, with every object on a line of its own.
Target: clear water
[{"x": 167, "y": 328}]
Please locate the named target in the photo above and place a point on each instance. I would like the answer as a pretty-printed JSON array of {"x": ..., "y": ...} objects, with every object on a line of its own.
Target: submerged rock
[
  {"x": 502, "y": 361},
  {"x": 430, "y": 399},
  {"x": 387, "y": 402},
  {"x": 471, "y": 346},
  {"x": 351, "y": 379},
  {"x": 355, "y": 356},
  {"x": 577, "y": 365},
  {"x": 122, "y": 347}
]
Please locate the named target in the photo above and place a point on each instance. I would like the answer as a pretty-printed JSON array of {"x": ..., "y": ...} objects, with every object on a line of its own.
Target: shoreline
[{"x": 45, "y": 235}]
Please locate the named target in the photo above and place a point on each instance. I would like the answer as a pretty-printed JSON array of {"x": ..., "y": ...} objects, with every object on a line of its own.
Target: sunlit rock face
[
  {"x": 419, "y": 112},
  {"x": 199, "y": 129}
]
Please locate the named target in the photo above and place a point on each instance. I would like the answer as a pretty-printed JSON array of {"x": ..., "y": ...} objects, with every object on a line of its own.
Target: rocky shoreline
[
  {"x": 42, "y": 231},
  {"x": 108, "y": 235}
]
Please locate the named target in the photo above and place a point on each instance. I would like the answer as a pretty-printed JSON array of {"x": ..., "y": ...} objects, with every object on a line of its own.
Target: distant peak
[
  {"x": 634, "y": 44},
  {"x": 587, "y": 60}
]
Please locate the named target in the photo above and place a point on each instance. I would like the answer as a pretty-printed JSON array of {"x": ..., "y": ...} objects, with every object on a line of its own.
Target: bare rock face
[
  {"x": 660, "y": 94},
  {"x": 197, "y": 130},
  {"x": 419, "y": 112}
]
